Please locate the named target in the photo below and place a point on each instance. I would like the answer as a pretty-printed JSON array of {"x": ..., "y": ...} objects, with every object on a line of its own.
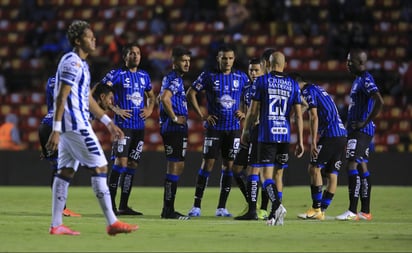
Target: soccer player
[
  {"x": 73, "y": 135},
  {"x": 131, "y": 85},
  {"x": 274, "y": 95},
  {"x": 223, "y": 88},
  {"x": 327, "y": 149},
  {"x": 173, "y": 128},
  {"x": 366, "y": 103},
  {"x": 45, "y": 128},
  {"x": 241, "y": 161}
]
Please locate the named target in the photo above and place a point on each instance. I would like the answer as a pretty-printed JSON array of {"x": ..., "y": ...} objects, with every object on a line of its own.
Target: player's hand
[
  {"x": 240, "y": 115},
  {"x": 53, "y": 142},
  {"x": 245, "y": 137},
  {"x": 124, "y": 114},
  {"x": 115, "y": 131},
  {"x": 211, "y": 119},
  {"x": 314, "y": 150},
  {"x": 300, "y": 150},
  {"x": 181, "y": 120},
  {"x": 145, "y": 113}
]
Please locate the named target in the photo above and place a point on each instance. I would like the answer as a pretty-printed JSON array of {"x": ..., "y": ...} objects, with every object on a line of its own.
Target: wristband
[
  {"x": 57, "y": 126},
  {"x": 105, "y": 119},
  {"x": 174, "y": 119}
]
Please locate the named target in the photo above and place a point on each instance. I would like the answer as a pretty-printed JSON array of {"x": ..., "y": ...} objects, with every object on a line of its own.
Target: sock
[
  {"x": 264, "y": 199},
  {"x": 253, "y": 190},
  {"x": 202, "y": 179},
  {"x": 225, "y": 186},
  {"x": 354, "y": 187},
  {"x": 280, "y": 196},
  {"x": 59, "y": 196},
  {"x": 316, "y": 193},
  {"x": 114, "y": 182},
  {"x": 101, "y": 190},
  {"x": 272, "y": 193},
  {"x": 326, "y": 200},
  {"x": 365, "y": 192},
  {"x": 241, "y": 180},
  {"x": 126, "y": 184},
  {"x": 170, "y": 188}
]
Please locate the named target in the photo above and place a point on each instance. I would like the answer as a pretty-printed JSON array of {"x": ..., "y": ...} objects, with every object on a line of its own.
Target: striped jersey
[
  {"x": 130, "y": 88},
  {"x": 277, "y": 93},
  {"x": 48, "y": 118},
  {"x": 74, "y": 71},
  {"x": 361, "y": 103},
  {"x": 329, "y": 121},
  {"x": 223, "y": 95},
  {"x": 174, "y": 83},
  {"x": 247, "y": 98}
]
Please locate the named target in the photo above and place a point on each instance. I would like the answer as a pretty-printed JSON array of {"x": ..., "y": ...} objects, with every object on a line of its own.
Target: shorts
[
  {"x": 82, "y": 147},
  {"x": 225, "y": 142},
  {"x": 246, "y": 153},
  {"x": 271, "y": 155},
  {"x": 357, "y": 148},
  {"x": 130, "y": 146},
  {"x": 44, "y": 133},
  {"x": 331, "y": 153},
  {"x": 175, "y": 144}
]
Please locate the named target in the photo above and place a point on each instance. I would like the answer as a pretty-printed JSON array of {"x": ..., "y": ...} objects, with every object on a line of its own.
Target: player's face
[
  {"x": 225, "y": 61},
  {"x": 106, "y": 100},
  {"x": 182, "y": 64},
  {"x": 132, "y": 58},
  {"x": 353, "y": 63},
  {"x": 88, "y": 41},
  {"x": 254, "y": 71}
]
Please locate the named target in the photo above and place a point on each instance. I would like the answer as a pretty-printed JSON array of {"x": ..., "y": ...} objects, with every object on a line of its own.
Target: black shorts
[
  {"x": 175, "y": 144},
  {"x": 131, "y": 146},
  {"x": 357, "y": 148},
  {"x": 44, "y": 133},
  {"x": 271, "y": 155},
  {"x": 246, "y": 152},
  {"x": 227, "y": 142},
  {"x": 331, "y": 153}
]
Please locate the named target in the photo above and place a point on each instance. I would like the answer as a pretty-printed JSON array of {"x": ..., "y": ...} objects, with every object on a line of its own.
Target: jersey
[
  {"x": 329, "y": 121},
  {"x": 247, "y": 98},
  {"x": 277, "y": 93},
  {"x": 174, "y": 83},
  {"x": 74, "y": 71},
  {"x": 223, "y": 95},
  {"x": 130, "y": 88},
  {"x": 48, "y": 118},
  {"x": 361, "y": 103}
]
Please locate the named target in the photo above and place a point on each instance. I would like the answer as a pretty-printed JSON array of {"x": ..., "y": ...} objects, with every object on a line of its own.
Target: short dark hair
[
  {"x": 267, "y": 53},
  {"x": 102, "y": 88},
  {"x": 127, "y": 47},
  {"x": 179, "y": 51},
  {"x": 254, "y": 60},
  {"x": 297, "y": 77},
  {"x": 226, "y": 48}
]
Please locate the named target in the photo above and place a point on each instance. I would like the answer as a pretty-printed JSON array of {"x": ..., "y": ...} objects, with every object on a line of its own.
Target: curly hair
[{"x": 76, "y": 30}]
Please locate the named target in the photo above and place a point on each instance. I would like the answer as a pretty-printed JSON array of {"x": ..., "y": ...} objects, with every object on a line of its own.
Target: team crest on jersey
[
  {"x": 142, "y": 81},
  {"x": 136, "y": 98},
  {"x": 236, "y": 83},
  {"x": 227, "y": 101}
]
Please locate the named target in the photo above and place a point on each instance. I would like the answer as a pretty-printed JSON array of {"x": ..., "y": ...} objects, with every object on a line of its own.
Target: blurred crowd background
[{"x": 315, "y": 36}]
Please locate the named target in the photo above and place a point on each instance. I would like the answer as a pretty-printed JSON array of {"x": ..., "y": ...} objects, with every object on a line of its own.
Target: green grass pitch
[{"x": 25, "y": 218}]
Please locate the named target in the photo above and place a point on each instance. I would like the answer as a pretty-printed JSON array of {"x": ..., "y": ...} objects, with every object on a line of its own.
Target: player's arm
[
  {"x": 251, "y": 117},
  {"x": 59, "y": 103},
  {"x": 97, "y": 111},
  {"x": 314, "y": 124},
  {"x": 299, "y": 124},
  {"x": 377, "y": 107},
  {"x": 150, "y": 103},
  {"x": 166, "y": 100},
  {"x": 191, "y": 97}
]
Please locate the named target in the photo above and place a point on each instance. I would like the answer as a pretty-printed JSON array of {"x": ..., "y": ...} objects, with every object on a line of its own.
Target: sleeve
[
  {"x": 199, "y": 83},
  {"x": 69, "y": 70}
]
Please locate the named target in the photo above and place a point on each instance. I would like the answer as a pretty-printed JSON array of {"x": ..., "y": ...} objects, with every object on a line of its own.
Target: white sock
[
  {"x": 102, "y": 192},
  {"x": 59, "y": 196}
]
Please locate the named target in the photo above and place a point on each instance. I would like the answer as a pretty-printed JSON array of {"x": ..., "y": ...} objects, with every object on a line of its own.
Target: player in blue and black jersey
[
  {"x": 366, "y": 103},
  {"x": 131, "y": 85},
  {"x": 274, "y": 95},
  {"x": 223, "y": 88},
  {"x": 173, "y": 128},
  {"x": 328, "y": 141}
]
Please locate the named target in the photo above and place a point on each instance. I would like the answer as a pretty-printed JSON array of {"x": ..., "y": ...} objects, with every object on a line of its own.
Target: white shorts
[{"x": 82, "y": 147}]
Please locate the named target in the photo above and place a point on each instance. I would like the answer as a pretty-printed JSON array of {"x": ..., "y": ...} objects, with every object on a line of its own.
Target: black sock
[
  {"x": 316, "y": 193},
  {"x": 365, "y": 192},
  {"x": 114, "y": 182},
  {"x": 264, "y": 199},
  {"x": 326, "y": 200},
  {"x": 126, "y": 184},
  {"x": 272, "y": 193},
  {"x": 225, "y": 186},
  {"x": 354, "y": 188},
  {"x": 170, "y": 189},
  {"x": 253, "y": 191},
  {"x": 202, "y": 179},
  {"x": 241, "y": 181}
]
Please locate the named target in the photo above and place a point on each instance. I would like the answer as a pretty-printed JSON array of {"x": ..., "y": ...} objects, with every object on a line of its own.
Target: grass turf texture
[{"x": 25, "y": 218}]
